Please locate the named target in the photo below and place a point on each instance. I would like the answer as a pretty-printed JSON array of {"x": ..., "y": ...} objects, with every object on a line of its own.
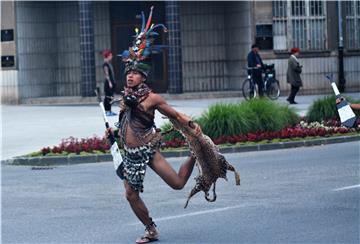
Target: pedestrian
[
  {"x": 293, "y": 75},
  {"x": 109, "y": 83},
  {"x": 139, "y": 136},
  {"x": 255, "y": 62}
]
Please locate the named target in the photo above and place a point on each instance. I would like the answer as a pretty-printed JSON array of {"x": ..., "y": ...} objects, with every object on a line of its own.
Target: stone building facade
[{"x": 51, "y": 49}]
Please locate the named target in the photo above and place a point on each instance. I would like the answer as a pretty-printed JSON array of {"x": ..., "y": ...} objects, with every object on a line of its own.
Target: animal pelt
[{"x": 210, "y": 162}]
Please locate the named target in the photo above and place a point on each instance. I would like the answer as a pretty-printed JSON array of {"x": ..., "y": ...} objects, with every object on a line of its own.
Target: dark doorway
[{"x": 125, "y": 16}]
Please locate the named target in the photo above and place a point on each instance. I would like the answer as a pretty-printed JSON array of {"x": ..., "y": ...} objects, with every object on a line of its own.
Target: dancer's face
[{"x": 134, "y": 78}]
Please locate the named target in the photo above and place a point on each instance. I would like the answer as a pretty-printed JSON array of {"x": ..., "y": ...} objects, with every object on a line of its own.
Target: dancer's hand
[
  {"x": 108, "y": 132},
  {"x": 338, "y": 100},
  {"x": 196, "y": 127}
]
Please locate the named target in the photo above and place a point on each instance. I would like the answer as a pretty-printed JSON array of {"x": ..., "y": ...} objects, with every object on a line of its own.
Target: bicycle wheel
[
  {"x": 248, "y": 89},
  {"x": 273, "y": 89}
]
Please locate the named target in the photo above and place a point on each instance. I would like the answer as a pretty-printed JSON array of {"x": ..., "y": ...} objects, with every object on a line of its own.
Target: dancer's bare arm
[{"x": 163, "y": 107}]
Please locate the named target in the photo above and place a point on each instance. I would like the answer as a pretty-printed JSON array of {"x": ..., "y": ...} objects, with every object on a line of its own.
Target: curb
[{"x": 77, "y": 159}]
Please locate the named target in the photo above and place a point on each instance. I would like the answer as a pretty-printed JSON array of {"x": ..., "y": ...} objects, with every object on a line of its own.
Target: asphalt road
[{"x": 301, "y": 195}]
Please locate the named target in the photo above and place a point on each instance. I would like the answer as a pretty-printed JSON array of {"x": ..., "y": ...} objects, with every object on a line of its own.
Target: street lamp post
[{"x": 341, "y": 77}]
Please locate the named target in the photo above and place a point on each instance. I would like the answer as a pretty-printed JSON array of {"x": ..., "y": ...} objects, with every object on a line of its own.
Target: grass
[{"x": 325, "y": 108}]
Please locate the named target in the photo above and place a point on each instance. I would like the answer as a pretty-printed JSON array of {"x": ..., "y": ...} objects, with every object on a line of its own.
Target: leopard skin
[{"x": 210, "y": 162}]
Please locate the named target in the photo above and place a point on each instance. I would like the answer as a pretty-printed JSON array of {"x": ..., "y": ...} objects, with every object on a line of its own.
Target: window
[
  {"x": 299, "y": 24},
  {"x": 264, "y": 37},
  {"x": 352, "y": 10}
]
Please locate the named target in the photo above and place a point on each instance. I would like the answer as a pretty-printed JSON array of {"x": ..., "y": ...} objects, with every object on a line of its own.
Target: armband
[{"x": 116, "y": 133}]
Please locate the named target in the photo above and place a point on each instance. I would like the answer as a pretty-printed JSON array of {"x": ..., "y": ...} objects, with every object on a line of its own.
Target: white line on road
[
  {"x": 197, "y": 213},
  {"x": 346, "y": 188}
]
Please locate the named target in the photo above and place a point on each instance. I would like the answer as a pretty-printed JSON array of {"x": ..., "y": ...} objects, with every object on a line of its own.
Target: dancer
[{"x": 138, "y": 134}]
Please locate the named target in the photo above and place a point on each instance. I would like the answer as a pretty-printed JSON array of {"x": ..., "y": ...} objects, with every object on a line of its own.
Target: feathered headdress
[{"x": 136, "y": 56}]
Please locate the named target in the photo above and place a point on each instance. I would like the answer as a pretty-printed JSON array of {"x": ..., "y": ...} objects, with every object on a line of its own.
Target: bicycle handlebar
[{"x": 250, "y": 68}]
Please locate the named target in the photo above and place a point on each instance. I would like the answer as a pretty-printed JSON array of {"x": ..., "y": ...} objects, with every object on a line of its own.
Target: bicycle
[{"x": 271, "y": 84}]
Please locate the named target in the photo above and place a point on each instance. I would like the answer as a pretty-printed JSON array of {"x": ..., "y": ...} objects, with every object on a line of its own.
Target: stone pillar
[
  {"x": 172, "y": 9},
  {"x": 87, "y": 49}
]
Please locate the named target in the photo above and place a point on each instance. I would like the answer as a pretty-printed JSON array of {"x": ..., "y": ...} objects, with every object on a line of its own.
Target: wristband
[{"x": 191, "y": 124}]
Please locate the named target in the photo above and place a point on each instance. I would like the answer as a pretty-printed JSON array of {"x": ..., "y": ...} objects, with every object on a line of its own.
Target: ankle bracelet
[{"x": 152, "y": 224}]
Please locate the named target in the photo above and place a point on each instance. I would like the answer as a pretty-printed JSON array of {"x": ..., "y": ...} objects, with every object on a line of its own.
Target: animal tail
[
  {"x": 237, "y": 175},
  {"x": 237, "y": 178},
  {"x": 214, "y": 195}
]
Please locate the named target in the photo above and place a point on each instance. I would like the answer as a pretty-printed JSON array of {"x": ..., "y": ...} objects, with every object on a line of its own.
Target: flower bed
[
  {"x": 96, "y": 145},
  {"x": 71, "y": 145},
  {"x": 302, "y": 130}
]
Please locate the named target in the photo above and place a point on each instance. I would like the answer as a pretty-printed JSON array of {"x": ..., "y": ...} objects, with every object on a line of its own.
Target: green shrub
[
  {"x": 266, "y": 115},
  {"x": 249, "y": 116},
  {"x": 325, "y": 109},
  {"x": 224, "y": 119},
  {"x": 170, "y": 136}
]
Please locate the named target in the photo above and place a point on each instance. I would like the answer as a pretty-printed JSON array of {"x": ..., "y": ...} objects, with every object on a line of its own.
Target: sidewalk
[{"x": 28, "y": 128}]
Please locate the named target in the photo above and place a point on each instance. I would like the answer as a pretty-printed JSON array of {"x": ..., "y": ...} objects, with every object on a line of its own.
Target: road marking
[
  {"x": 196, "y": 213},
  {"x": 346, "y": 188}
]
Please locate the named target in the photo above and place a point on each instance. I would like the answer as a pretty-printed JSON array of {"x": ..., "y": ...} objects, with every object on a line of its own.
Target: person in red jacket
[
  {"x": 293, "y": 75},
  {"x": 109, "y": 83}
]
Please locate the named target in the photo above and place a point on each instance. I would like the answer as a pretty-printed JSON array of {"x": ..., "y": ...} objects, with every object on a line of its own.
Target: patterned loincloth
[{"x": 134, "y": 165}]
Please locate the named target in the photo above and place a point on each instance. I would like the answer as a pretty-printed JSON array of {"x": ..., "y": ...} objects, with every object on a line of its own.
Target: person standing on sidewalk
[
  {"x": 138, "y": 134},
  {"x": 109, "y": 83},
  {"x": 293, "y": 75},
  {"x": 254, "y": 61}
]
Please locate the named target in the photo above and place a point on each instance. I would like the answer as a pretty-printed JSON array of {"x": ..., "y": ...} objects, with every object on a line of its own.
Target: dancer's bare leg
[
  {"x": 137, "y": 204},
  {"x": 169, "y": 175},
  {"x": 141, "y": 211}
]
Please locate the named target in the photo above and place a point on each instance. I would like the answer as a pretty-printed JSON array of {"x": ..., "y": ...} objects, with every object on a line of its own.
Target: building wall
[
  {"x": 215, "y": 41},
  {"x": 216, "y": 37},
  {"x": 68, "y": 76},
  {"x": 102, "y": 37},
  {"x": 314, "y": 71},
  {"x": 36, "y": 49},
  {"x": 203, "y": 46},
  {"x": 352, "y": 72},
  {"x": 315, "y": 64},
  {"x": 8, "y": 75},
  {"x": 237, "y": 41},
  {"x": 49, "y": 47},
  {"x": 69, "y": 67}
]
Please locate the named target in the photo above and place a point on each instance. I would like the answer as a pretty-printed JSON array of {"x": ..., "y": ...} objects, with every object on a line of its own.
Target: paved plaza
[{"x": 28, "y": 128}]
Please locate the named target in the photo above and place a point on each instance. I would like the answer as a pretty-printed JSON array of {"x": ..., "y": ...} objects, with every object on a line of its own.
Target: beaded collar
[{"x": 138, "y": 91}]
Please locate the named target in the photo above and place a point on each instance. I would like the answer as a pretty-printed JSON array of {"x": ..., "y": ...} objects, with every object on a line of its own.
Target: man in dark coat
[
  {"x": 254, "y": 61},
  {"x": 293, "y": 75}
]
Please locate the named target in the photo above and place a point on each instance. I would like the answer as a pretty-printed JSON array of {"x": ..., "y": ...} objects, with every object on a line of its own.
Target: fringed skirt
[{"x": 134, "y": 164}]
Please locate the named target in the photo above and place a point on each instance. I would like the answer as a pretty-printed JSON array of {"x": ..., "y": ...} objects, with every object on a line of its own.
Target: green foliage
[
  {"x": 223, "y": 119},
  {"x": 246, "y": 117},
  {"x": 173, "y": 134},
  {"x": 34, "y": 154},
  {"x": 325, "y": 108},
  {"x": 249, "y": 116}
]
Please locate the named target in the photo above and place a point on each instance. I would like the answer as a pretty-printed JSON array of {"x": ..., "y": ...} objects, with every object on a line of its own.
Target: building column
[
  {"x": 87, "y": 49},
  {"x": 172, "y": 9}
]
